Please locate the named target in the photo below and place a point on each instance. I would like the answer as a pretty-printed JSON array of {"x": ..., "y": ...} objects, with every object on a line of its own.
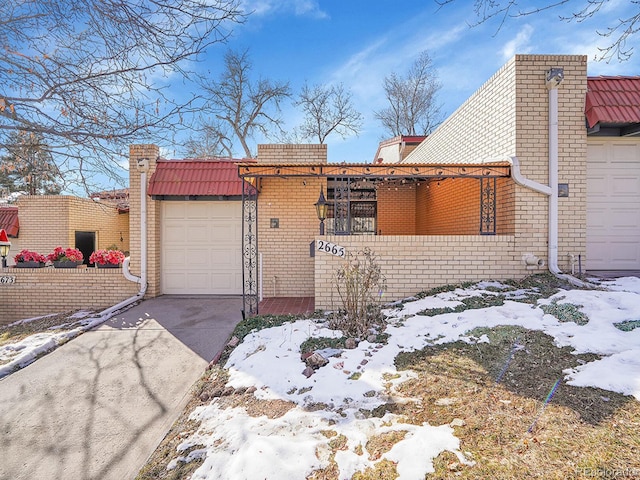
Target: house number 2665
[{"x": 331, "y": 248}]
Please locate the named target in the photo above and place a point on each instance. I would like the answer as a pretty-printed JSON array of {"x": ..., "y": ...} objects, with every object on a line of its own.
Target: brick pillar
[{"x": 151, "y": 154}]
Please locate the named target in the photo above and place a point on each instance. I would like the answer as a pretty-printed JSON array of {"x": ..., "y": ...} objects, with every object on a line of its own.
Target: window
[{"x": 352, "y": 207}]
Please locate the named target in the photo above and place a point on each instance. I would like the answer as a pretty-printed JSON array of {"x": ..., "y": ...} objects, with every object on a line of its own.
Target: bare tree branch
[
  {"x": 412, "y": 106},
  {"x": 620, "y": 33},
  {"x": 92, "y": 76},
  {"x": 247, "y": 107},
  {"x": 328, "y": 109}
]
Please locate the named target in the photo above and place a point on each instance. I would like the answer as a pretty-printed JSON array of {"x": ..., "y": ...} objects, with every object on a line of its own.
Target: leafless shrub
[{"x": 359, "y": 283}]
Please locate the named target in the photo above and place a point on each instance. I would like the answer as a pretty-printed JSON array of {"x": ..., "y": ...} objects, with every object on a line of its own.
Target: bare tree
[
  {"x": 91, "y": 76},
  {"x": 622, "y": 32},
  {"x": 245, "y": 106},
  {"x": 328, "y": 109},
  {"x": 210, "y": 141},
  {"x": 412, "y": 106},
  {"x": 29, "y": 166}
]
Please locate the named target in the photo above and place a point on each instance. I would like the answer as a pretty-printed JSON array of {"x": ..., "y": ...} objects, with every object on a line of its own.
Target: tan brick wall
[
  {"x": 150, "y": 152},
  {"x": 412, "y": 264},
  {"x": 50, "y": 290},
  {"x": 508, "y": 116},
  {"x": 289, "y": 153},
  {"x": 482, "y": 127},
  {"x": 287, "y": 268},
  {"x": 48, "y": 221},
  {"x": 533, "y": 153}
]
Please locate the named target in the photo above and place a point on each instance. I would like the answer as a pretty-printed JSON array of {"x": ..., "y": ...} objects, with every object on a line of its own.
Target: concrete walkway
[{"x": 98, "y": 406}]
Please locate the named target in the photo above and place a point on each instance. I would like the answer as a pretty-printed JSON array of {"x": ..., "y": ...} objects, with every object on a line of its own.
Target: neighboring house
[
  {"x": 42, "y": 222},
  {"x": 510, "y": 184}
]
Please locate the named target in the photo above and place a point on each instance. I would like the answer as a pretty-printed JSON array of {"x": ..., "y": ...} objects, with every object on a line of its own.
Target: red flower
[
  {"x": 104, "y": 257},
  {"x": 28, "y": 256},
  {"x": 65, "y": 255}
]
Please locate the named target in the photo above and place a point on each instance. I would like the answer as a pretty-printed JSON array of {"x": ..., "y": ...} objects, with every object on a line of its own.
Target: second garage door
[
  {"x": 201, "y": 247},
  {"x": 613, "y": 204}
]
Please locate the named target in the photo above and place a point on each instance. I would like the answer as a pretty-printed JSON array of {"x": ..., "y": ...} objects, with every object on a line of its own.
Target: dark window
[{"x": 86, "y": 243}]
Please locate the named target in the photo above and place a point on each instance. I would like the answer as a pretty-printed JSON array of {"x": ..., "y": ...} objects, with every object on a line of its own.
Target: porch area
[{"x": 286, "y": 306}]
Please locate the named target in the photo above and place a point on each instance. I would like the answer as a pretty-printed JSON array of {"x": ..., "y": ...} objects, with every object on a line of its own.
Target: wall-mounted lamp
[
  {"x": 5, "y": 245},
  {"x": 321, "y": 210}
]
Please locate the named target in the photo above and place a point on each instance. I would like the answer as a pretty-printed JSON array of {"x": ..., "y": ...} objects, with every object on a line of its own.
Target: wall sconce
[
  {"x": 321, "y": 210},
  {"x": 5, "y": 245}
]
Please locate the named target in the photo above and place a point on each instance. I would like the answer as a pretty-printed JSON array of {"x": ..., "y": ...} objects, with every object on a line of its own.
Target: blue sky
[{"x": 358, "y": 43}]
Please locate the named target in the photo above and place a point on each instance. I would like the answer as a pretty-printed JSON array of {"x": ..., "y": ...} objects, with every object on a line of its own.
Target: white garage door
[
  {"x": 201, "y": 245},
  {"x": 613, "y": 204}
]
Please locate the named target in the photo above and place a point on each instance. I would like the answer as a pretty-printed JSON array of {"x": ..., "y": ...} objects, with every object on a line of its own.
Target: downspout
[
  {"x": 143, "y": 166},
  {"x": 554, "y": 78}
]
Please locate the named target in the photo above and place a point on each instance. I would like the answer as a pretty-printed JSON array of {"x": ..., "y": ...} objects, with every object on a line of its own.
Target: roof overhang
[
  {"x": 612, "y": 106},
  {"x": 195, "y": 179},
  {"x": 497, "y": 168},
  {"x": 9, "y": 221}
]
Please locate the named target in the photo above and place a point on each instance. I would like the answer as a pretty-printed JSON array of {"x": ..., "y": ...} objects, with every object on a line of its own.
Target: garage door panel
[
  {"x": 597, "y": 185},
  {"x": 623, "y": 153},
  {"x": 174, "y": 234},
  {"x": 174, "y": 257},
  {"x": 624, "y": 186},
  {"x": 201, "y": 247},
  {"x": 624, "y": 218},
  {"x": 613, "y": 205},
  {"x": 173, "y": 210}
]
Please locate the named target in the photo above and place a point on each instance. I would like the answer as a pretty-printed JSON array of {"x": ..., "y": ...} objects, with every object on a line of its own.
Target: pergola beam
[{"x": 381, "y": 171}]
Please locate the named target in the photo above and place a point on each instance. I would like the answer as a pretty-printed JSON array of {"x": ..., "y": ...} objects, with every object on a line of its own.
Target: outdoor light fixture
[
  {"x": 321, "y": 209},
  {"x": 5, "y": 245}
]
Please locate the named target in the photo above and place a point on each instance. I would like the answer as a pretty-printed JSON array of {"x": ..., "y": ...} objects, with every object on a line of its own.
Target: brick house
[
  {"x": 42, "y": 222},
  {"x": 512, "y": 183}
]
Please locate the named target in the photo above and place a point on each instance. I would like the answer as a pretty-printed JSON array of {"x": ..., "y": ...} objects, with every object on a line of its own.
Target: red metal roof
[
  {"x": 195, "y": 177},
  {"x": 9, "y": 221},
  {"x": 613, "y": 100}
]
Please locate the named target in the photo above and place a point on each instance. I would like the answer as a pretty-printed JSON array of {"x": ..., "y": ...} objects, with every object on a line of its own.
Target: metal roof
[
  {"x": 612, "y": 100},
  {"x": 195, "y": 178},
  {"x": 9, "y": 221}
]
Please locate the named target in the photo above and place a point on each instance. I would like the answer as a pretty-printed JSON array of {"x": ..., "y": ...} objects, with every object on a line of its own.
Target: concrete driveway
[{"x": 98, "y": 406}]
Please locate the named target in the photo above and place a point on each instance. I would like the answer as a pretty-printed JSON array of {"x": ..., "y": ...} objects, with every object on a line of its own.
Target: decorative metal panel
[
  {"x": 249, "y": 249},
  {"x": 487, "y": 206}
]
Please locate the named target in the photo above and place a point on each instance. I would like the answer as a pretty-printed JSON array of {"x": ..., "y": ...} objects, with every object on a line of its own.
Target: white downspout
[
  {"x": 554, "y": 78},
  {"x": 142, "y": 279},
  {"x": 143, "y": 167}
]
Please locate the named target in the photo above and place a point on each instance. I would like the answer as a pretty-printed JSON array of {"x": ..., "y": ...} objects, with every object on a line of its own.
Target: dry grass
[
  {"x": 51, "y": 323},
  {"x": 508, "y": 431}
]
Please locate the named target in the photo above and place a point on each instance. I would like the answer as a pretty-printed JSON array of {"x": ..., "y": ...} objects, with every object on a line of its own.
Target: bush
[{"x": 359, "y": 283}]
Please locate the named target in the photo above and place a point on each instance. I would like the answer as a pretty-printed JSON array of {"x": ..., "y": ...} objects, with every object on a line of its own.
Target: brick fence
[
  {"x": 41, "y": 291},
  {"x": 412, "y": 264}
]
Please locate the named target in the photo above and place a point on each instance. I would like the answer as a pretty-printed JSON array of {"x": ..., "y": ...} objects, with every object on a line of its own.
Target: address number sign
[{"x": 331, "y": 248}]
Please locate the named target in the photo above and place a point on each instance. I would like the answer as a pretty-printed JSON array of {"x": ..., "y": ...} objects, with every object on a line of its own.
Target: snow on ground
[
  {"x": 234, "y": 445},
  {"x": 15, "y": 356}
]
